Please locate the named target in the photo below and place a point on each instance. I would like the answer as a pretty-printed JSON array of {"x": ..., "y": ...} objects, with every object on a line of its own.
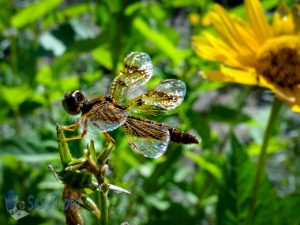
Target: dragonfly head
[{"x": 74, "y": 102}]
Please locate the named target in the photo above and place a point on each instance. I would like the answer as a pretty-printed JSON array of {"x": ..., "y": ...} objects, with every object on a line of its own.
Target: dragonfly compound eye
[{"x": 73, "y": 102}]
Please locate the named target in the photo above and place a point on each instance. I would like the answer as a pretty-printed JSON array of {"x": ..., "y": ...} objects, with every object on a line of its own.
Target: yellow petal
[
  {"x": 283, "y": 93},
  {"x": 226, "y": 74},
  {"x": 194, "y": 18},
  {"x": 258, "y": 20},
  {"x": 249, "y": 77},
  {"x": 296, "y": 17},
  {"x": 295, "y": 106},
  {"x": 283, "y": 22},
  {"x": 210, "y": 48},
  {"x": 224, "y": 32},
  {"x": 234, "y": 31},
  {"x": 216, "y": 43}
]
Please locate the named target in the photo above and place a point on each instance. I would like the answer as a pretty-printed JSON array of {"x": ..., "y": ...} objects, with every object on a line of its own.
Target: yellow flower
[
  {"x": 194, "y": 18},
  {"x": 255, "y": 53}
]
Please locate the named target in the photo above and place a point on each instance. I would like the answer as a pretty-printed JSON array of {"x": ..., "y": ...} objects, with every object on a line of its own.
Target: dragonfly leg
[
  {"x": 72, "y": 127},
  {"x": 75, "y": 126},
  {"x": 84, "y": 132},
  {"x": 110, "y": 144}
]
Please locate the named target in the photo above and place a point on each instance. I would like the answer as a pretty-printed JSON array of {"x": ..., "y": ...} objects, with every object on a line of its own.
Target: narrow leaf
[
  {"x": 33, "y": 12},
  {"x": 235, "y": 190},
  {"x": 160, "y": 41}
]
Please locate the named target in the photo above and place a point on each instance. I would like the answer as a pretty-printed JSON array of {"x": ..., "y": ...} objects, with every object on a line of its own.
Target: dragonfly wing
[
  {"x": 167, "y": 95},
  {"x": 147, "y": 138},
  {"x": 136, "y": 70},
  {"x": 106, "y": 117}
]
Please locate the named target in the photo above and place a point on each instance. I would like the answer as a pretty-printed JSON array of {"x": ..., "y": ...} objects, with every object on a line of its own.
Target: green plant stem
[
  {"x": 262, "y": 156},
  {"x": 104, "y": 204},
  {"x": 14, "y": 57}
]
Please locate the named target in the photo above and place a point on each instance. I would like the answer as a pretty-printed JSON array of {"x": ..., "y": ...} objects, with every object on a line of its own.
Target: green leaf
[
  {"x": 156, "y": 201},
  {"x": 69, "y": 83},
  {"x": 180, "y": 3},
  {"x": 160, "y": 41},
  {"x": 60, "y": 16},
  {"x": 15, "y": 96},
  {"x": 33, "y": 12},
  {"x": 37, "y": 158},
  {"x": 236, "y": 194},
  {"x": 288, "y": 213},
  {"x": 269, "y": 4},
  {"x": 45, "y": 76},
  {"x": 267, "y": 208},
  {"x": 103, "y": 56},
  {"x": 86, "y": 45},
  {"x": 209, "y": 86},
  {"x": 132, "y": 8},
  {"x": 275, "y": 145},
  {"x": 235, "y": 190},
  {"x": 226, "y": 114},
  {"x": 205, "y": 164},
  {"x": 91, "y": 77},
  {"x": 202, "y": 127}
]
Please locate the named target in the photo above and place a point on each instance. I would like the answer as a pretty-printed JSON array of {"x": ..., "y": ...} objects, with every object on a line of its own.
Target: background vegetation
[{"x": 49, "y": 47}]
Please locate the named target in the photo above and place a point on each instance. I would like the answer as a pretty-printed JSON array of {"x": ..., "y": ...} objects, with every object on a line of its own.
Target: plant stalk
[
  {"x": 104, "y": 204},
  {"x": 262, "y": 156}
]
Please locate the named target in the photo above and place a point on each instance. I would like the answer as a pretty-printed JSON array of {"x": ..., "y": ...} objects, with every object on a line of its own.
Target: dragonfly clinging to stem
[{"x": 109, "y": 112}]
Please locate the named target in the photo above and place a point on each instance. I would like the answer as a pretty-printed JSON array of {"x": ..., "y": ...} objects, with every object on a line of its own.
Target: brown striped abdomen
[
  {"x": 181, "y": 137},
  {"x": 148, "y": 126}
]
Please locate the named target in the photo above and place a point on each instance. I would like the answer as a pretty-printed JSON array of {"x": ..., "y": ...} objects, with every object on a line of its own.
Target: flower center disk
[{"x": 279, "y": 61}]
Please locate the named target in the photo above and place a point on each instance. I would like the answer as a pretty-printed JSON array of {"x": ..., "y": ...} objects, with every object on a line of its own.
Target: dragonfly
[{"x": 122, "y": 107}]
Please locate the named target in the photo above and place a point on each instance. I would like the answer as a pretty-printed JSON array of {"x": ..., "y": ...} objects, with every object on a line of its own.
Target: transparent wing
[
  {"x": 106, "y": 117},
  {"x": 136, "y": 70},
  {"x": 167, "y": 95},
  {"x": 145, "y": 137}
]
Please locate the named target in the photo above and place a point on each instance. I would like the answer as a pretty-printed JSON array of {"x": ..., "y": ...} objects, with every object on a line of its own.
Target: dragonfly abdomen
[
  {"x": 181, "y": 137},
  {"x": 175, "y": 135}
]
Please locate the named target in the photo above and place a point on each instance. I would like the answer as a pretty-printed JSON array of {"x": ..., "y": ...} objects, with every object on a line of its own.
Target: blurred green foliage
[{"x": 49, "y": 47}]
